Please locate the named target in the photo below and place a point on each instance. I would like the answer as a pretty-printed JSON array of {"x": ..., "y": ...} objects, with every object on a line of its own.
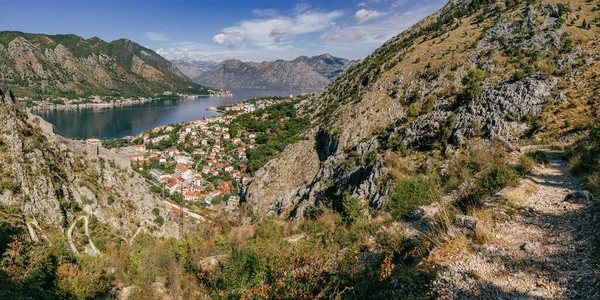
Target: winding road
[{"x": 93, "y": 249}]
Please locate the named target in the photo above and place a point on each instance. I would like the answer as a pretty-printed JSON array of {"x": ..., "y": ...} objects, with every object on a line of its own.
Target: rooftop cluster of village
[{"x": 198, "y": 163}]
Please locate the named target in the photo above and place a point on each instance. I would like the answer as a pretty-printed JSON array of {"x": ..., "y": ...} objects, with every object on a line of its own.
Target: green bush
[
  {"x": 473, "y": 90},
  {"x": 539, "y": 157},
  {"x": 8, "y": 184},
  {"x": 245, "y": 269},
  {"x": 370, "y": 158},
  {"x": 585, "y": 159},
  {"x": 412, "y": 193},
  {"x": 159, "y": 221},
  {"x": 499, "y": 176},
  {"x": 526, "y": 165},
  {"x": 352, "y": 209}
]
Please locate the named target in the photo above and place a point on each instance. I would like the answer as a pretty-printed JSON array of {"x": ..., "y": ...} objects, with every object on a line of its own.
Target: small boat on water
[{"x": 212, "y": 108}]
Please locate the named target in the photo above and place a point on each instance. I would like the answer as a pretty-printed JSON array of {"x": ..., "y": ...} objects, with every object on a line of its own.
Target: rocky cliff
[
  {"x": 475, "y": 69},
  {"x": 302, "y": 73},
  {"x": 39, "y": 66},
  {"x": 193, "y": 69},
  {"x": 47, "y": 181},
  {"x": 327, "y": 65}
]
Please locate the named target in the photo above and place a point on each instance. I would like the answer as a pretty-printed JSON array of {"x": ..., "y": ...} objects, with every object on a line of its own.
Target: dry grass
[
  {"x": 448, "y": 251},
  {"x": 518, "y": 197},
  {"x": 402, "y": 167},
  {"x": 483, "y": 231},
  {"x": 577, "y": 112}
]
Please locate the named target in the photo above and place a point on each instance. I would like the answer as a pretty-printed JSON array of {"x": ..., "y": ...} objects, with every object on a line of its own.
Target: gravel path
[{"x": 541, "y": 251}]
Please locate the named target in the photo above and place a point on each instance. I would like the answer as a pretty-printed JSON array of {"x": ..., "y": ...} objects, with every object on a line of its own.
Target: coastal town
[
  {"x": 102, "y": 102},
  {"x": 197, "y": 164}
]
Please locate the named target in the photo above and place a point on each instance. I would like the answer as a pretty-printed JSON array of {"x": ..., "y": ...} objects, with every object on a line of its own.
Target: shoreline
[{"x": 47, "y": 105}]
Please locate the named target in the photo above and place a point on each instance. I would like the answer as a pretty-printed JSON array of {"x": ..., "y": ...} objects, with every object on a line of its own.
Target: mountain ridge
[
  {"x": 305, "y": 73},
  {"x": 66, "y": 65},
  {"x": 470, "y": 70}
]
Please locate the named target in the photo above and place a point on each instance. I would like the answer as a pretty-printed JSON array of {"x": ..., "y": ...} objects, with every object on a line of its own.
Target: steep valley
[{"x": 460, "y": 160}]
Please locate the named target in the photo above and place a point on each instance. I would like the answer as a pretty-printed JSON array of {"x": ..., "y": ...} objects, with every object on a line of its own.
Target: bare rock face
[
  {"x": 327, "y": 65},
  {"x": 274, "y": 189},
  {"x": 193, "y": 69},
  {"x": 503, "y": 107},
  {"x": 507, "y": 34},
  {"x": 53, "y": 180},
  {"x": 308, "y": 172},
  {"x": 501, "y": 112}
]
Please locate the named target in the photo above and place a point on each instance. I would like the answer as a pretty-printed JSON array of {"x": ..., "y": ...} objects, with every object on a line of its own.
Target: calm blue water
[{"x": 110, "y": 122}]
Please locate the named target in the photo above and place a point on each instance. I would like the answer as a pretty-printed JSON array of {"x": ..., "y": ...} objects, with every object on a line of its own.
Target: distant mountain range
[
  {"x": 193, "y": 69},
  {"x": 39, "y": 65},
  {"x": 309, "y": 73}
]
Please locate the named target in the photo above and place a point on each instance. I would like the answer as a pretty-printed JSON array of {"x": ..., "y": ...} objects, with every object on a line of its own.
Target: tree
[
  {"x": 473, "y": 90},
  {"x": 352, "y": 209}
]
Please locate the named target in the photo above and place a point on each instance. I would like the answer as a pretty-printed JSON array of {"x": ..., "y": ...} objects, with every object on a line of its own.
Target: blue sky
[{"x": 223, "y": 29}]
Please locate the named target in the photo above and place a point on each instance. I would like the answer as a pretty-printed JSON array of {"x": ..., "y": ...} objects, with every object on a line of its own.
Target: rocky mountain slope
[
  {"x": 327, "y": 65},
  {"x": 47, "y": 182},
  {"x": 193, "y": 69},
  {"x": 38, "y": 65},
  {"x": 509, "y": 71},
  {"x": 305, "y": 73}
]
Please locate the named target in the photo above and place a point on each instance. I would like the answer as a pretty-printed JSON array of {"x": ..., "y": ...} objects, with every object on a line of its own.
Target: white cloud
[
  {"x": 282, "y": 33},
  {"x": 272, "y": 35},
  {"x": 273, "y": 28},
  {"x": 156, "y": 36},
  {"x": 365, "y": 15},
  {"x": 378, "y": 32},
  {"x": 201, "y": 52},
  {"x": 265, "y": 12},
  {"x": 230, "y": 40},
  {"x": 301, "y": 7}
]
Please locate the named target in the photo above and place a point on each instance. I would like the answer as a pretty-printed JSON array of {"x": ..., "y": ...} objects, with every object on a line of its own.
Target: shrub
[
  {"x": 517, "y": 76},
  {"x": 10, "y": 185},
  {"x": 352, "y": 209},
  {"x": 497, "y": 178},
  {"x": 74, "y": 282},
  {"x": 159, "y": 221},
  {"x": 414, "y": 110},
  {"x": 313, "y": 212},
  {"x": 245, "y": 269},
  {"x": 370, "y": 158},
  {"x": 539, "y": 157},
  {"x": 411, "y": 193},
  {"x": 493, "y": 180},
  {"x": 585, "y": 159},
  {"x": 526, "y": 164},
  {"x": 473, "y": 90}
]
